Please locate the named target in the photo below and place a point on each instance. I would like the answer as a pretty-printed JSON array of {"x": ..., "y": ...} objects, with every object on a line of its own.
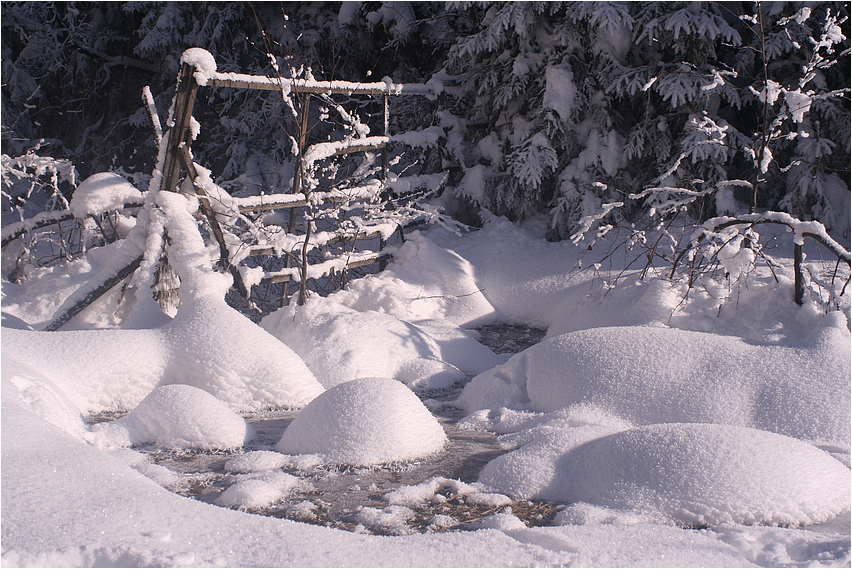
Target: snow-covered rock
[
  {"x": 661, "y": 375},
  {"x": 258, "y": 492},
  {"x": 362, "y": 422},
  {"x": 177, "y": 416},
  {"x": 697, "y": 474}
]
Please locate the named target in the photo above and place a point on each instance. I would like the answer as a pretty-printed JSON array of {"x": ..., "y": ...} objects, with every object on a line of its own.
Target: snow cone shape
[
  {"x": 698, "y": 474},
  {"x": 178, "y": 416},
  {"x": 363, "y": 422}
]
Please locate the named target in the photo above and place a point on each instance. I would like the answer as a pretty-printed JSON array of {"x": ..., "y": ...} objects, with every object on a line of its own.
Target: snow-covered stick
[
  {"x": 93, "y": 295},
  {"x": 215, "y": 227},
  {"x": 153, "y": 117}
]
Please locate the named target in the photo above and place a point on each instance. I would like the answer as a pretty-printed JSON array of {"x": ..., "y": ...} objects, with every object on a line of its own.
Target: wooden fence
[{"x": 178, "y": 165}]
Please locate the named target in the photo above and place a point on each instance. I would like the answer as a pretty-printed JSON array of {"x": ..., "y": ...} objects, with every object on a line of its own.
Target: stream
[{"x": 336, "y": 496}]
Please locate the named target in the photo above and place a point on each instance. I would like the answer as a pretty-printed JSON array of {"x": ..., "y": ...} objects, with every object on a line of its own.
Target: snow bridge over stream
[{"x": 328, "y": 218}]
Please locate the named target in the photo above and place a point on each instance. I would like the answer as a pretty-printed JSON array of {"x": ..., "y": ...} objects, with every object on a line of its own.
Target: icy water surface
[{"x": 340, "y": 496}]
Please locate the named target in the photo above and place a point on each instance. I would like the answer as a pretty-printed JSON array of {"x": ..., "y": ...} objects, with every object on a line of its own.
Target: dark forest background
[{"x": 560, "y": 108}]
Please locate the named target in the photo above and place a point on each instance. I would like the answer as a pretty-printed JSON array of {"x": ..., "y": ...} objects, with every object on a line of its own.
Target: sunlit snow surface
[{"x": 592, "y": 414}]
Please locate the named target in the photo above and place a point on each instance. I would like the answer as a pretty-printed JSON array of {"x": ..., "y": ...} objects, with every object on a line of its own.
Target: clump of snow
[
  {"x": 433, "y": 490},
  {"x": 256, "y": 461},
  {"x": 103, "y": 192},
  {"x": 203, "y": 61},
  {"x": 363, "y": 422},
  {"x": 391, "y": 520},
  {"x": 697, "y": 474},
  {"x": 560, "y": 91},
  {"x": 177, "y": 416},
  {"x": 660, "y": 375},
  {"x": 259, "y": 492}
]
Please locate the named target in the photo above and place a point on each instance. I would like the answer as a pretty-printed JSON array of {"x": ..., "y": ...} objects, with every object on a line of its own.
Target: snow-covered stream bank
[
  {"x": 348, "y": 497},
  {"x": 642, "y": 415}
]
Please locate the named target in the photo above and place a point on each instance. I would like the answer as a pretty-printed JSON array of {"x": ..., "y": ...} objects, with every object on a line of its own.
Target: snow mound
[
  {"x": 339, "y": 344},
  {"x": 363, "y": 422},
  {"x": 177, "y": 416},
  {"x": 215, "y": 348},
  {"x": 697, "y": 474},
  {"x": 412, "y": 289},
  {"x": 208, "y": 345},
  {"x": 661, "y": 375},
  {"x": 260, "y": 492},
  {"x": 102, "y": 192}
]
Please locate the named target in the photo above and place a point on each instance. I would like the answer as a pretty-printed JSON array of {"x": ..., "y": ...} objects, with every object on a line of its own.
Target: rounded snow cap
[
  {"x": 203, "y": 61},
  {"x": 363, "y": 422},
  {"x": 178, "y": 416}
]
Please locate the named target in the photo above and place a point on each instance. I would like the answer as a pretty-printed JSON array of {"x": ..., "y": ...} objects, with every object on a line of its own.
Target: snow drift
[
  {"x": 695, "y": 474},
  {"x": 661, "y": 375},
  {"x": 363, "y": 422},
  {"x": 339, "y": 344}
]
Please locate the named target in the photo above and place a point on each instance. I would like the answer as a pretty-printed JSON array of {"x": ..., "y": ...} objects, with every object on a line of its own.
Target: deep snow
[{"x": 636, "y": 465}]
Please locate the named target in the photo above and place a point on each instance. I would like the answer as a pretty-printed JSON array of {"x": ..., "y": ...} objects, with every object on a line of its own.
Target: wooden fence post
[
  {"x": 179, "y": 130},
  {"x": 799, "y": 278}
]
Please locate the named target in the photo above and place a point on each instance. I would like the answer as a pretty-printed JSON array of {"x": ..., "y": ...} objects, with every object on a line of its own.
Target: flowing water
[{"x": 334, "y": 496}]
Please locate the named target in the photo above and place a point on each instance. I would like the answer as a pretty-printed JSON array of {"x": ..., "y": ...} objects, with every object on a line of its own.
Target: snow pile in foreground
[
  {"x": 661, "y": 375},
  {"x": 363, "y": 422},
  {"x": 339, "y": 344},
  {"x": 695, "y": 474},
  {"x": 177, "y": 416}
]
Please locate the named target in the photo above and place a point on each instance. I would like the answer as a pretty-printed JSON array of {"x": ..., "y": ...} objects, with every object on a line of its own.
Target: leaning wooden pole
[{"x": 100, "y": 290}]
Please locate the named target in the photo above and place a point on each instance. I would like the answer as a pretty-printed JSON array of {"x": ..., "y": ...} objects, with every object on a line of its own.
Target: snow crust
[
  {"x": 177, "y": 416},
  {"x": 103, "y": 192},
  {"x": 363, "y": 422},
  {"x": 696, "y": 474}
]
